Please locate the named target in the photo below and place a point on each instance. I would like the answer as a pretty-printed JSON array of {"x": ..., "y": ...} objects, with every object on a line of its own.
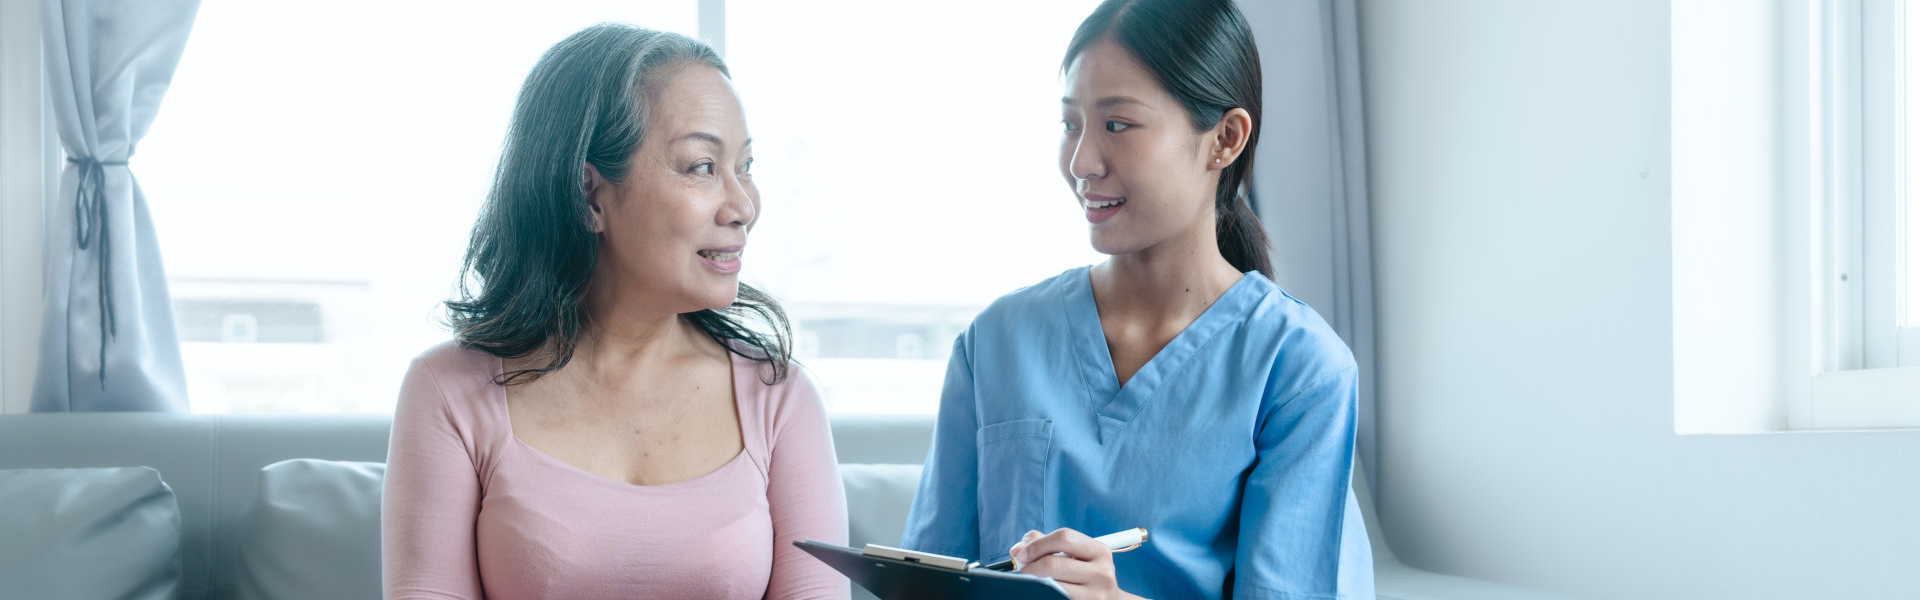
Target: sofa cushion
[
  {"x": 878, "y": 497},
  {"x": 313, "y": 532},
  {"x": 111, "y": 533}
]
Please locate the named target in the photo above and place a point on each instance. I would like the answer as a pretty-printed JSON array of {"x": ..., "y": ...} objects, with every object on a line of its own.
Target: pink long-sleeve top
[{"x": 470, "y": 511}]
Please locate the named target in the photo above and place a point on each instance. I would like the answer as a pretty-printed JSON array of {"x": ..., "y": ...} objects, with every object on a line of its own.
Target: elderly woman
[{"x": 609, "y": 422}]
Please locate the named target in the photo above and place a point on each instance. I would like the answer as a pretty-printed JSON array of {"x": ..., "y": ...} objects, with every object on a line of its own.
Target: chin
[
  {"x": 1112, "y": 244},
  {"x": 719, "y": 299}
]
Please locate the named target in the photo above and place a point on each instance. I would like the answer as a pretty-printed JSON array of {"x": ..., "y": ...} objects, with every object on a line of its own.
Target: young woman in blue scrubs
[{"x": 1173, "y": 386}]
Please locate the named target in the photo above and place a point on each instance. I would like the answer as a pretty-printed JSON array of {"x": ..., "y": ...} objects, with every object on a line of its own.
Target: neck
[
  {"x": 621, "y": 332},
  {"x": 1177, "y": 278}
]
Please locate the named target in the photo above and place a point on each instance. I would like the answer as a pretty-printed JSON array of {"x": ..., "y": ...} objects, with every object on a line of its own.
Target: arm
[
  {"x": 944, "y": 519},
  {"x": 431, "y": 500},
  {"x": 1293, "y": 510},
  {"x": 805, "y": 497}
]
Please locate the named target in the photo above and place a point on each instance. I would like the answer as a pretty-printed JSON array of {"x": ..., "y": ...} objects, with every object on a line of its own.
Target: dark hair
[
  {"x": 1202, "y": 52},
  {"x": 533, "y": 248}
]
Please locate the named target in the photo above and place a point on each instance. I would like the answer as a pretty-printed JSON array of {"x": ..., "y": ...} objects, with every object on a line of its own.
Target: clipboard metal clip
[{"x": 931, "y": 560}]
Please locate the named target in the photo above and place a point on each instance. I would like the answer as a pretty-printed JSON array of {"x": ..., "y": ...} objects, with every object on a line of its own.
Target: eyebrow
[
  {"x": 707, "y": 137},
  {"x": 1107, "y": 101}
]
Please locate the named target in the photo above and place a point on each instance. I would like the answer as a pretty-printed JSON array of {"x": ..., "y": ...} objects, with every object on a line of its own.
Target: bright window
[
  {"x": 1890, "y": 70},
  {"x": 315, "y": 171},
  {"x": 1794, "y": 233},
  {"x": 909, "y": 171}
]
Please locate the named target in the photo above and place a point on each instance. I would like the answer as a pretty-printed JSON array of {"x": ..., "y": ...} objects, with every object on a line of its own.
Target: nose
[
  {"x": 742, "y": 207},
  {"x": 1086, "y": 163}
]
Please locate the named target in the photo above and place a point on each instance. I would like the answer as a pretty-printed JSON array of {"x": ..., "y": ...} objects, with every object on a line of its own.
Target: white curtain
[
  {"x": 1310, "y": 173},
  {"x": 108, "y": 341}
]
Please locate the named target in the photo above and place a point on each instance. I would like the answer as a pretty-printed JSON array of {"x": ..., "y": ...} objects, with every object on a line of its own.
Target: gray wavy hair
[{"x": 524, "y": 280}]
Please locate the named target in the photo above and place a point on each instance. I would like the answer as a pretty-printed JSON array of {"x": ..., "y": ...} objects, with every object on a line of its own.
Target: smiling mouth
[
  {"x": 717, "y": 256},
  {"x": 1104, "y": 204}
]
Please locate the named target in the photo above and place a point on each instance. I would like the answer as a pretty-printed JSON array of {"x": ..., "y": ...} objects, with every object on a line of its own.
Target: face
[
  {"x": 674, "y": 229},
  {"x": 1141, "y": 172}
]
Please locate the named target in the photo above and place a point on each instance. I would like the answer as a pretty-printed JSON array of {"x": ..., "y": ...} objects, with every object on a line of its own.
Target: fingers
[
  {"x": 1014, "y": 552},
  {"x": 1072, "y": 572},
  {"x": 1063, "y": 540}
]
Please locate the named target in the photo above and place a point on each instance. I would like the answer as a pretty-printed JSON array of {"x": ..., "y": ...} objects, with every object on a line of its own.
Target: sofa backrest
[{"x": 213, "y": 462}]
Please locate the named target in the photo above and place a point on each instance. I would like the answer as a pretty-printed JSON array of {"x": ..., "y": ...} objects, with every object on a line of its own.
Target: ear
[
  {"x": 592, "y": 185},
  {"x": 1230, "y": 137}
]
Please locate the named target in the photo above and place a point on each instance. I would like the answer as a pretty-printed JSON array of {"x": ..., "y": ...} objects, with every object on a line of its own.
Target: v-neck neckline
[
  {"x": 1115, "y": 404},
  {"x": 735, "y": 374}
]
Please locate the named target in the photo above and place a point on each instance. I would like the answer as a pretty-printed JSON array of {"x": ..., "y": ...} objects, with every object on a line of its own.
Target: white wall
[{"x": 1521, "y": 186}]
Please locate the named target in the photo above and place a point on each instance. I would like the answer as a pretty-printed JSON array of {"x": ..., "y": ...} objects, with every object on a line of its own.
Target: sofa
[{"x": 246, "y": 500}]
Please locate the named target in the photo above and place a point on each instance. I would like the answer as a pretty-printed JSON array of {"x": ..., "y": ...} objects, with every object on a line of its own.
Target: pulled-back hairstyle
[
  {"x": 1202, "y": 52},
  {"x": 533, "y": 248}
]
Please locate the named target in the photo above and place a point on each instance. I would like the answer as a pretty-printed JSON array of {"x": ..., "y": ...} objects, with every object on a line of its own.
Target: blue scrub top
[{"x": 1233, "y": 446}]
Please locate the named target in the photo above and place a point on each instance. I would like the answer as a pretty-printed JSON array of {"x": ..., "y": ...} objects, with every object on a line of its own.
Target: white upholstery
[
  {"x": 88, "y": 533},
  {"x": 213, "y": 464},
  {"x": 313, "y": 532}
]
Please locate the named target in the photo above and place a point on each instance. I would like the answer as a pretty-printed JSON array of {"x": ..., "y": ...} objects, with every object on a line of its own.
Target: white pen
[{"x": 1119, "y": 541}]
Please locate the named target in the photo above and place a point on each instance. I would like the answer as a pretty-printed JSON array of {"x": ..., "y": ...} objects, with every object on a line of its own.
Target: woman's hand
[{"x": 1082, "y": 565}]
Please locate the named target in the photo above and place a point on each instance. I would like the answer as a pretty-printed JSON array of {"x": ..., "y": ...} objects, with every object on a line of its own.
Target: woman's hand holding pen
[{"x": 1082, "y": 565}]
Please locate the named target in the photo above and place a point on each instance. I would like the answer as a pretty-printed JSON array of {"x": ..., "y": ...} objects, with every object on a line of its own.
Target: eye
[
  {"x": 746, "y": 169},
  {"x": 702, "y": 168},
  {"x": 1071, "y": 126},
  {"x": 1116, "y": 126}
]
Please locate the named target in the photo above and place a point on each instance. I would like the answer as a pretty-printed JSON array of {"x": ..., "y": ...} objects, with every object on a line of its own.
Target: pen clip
[{"x": 1126, "y": 549}]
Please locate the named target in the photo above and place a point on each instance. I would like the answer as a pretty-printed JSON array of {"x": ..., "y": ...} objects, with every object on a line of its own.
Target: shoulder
[
  {"x": 452, "y": 378},
  {"x": 1304, "y": 347},
  {"x": 1046, "y": 295},
  {"x": 450, "y": 357},
  {"x": 793, "y": 400},
  {"x": 1035, "y": 306}
]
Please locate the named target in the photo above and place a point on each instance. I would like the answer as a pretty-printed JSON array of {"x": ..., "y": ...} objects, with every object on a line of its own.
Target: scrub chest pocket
[{"x": 1013, "y": 475}]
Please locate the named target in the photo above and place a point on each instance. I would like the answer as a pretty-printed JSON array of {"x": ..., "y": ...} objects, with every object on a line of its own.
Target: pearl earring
[{"x": 1216, "y": 161}]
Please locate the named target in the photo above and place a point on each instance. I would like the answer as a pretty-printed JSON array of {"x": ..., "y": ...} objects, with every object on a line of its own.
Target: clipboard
[{"x": 919, "y": 576}]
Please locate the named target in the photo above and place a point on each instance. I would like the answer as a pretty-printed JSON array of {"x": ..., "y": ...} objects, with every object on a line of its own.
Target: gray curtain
[
  {"x": 108, "y": 341},
  {"x": 1310, "y": 173}
]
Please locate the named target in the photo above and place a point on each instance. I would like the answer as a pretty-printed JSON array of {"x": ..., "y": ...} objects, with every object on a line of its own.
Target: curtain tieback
[{"x": 90, "y": 229}]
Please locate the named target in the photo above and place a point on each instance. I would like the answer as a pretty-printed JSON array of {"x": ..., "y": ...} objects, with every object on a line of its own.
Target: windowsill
[
  {"x": 1859, "y": 401},
  {"x": 1862, "y": 399}
]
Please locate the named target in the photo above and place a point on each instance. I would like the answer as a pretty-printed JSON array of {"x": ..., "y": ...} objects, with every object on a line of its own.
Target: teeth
[
  {"x": 1105, "y": 205},
  {"x": 720, "y": 256}
]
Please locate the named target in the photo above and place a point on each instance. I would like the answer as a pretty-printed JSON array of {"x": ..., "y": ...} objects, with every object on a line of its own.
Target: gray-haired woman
[{"x": 606, "y": 424}]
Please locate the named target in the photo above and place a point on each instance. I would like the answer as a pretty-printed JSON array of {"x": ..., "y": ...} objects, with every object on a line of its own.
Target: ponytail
[{"x": 1243, "y": 240}]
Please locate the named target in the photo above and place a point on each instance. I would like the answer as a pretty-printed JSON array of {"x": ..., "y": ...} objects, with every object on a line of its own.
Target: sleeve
[
  {"x": 945, "y": 518},
  {"x": 1293, "y": 509},
  {"x": 805, "y": 497},
  {"x": 431, "y": 499}
]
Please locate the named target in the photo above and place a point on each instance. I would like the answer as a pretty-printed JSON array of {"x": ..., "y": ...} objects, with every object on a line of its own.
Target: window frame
[
  {"x": 1898, "y": 201},
  {"x": 1855, "y": 372}
]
